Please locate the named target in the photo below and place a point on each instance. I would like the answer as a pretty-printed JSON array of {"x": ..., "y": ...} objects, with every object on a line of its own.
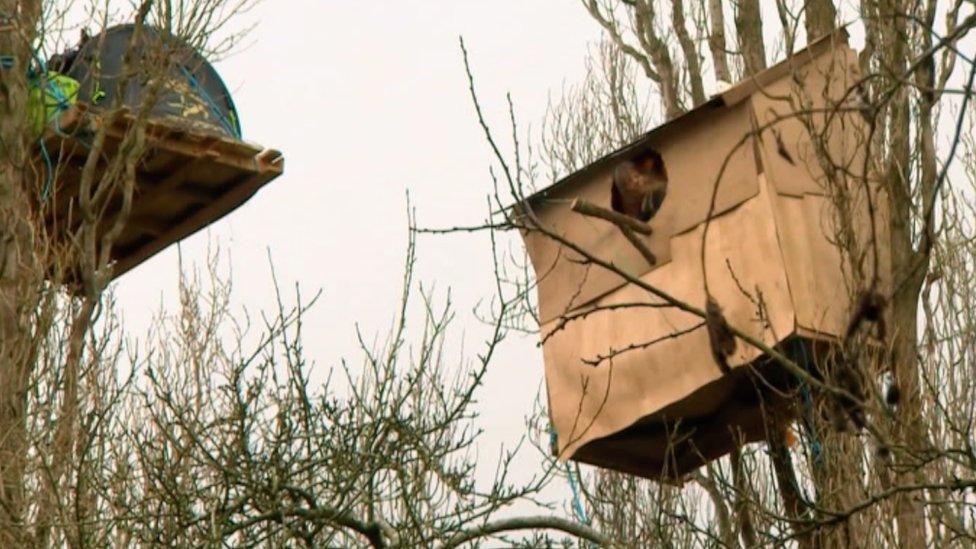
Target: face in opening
[{"x": 639, "y": 186}]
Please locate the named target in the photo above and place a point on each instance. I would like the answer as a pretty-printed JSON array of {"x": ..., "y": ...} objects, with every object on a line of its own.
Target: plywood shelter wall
[
  {"x": 821, "y": 279},
  {"x": 696, "y": 152},
  {"x": 791, "y": 224},
  {"x": 813, "y": 113},
  {"x": 823, "y": 186},
  {"x": 588, "y": 402}
]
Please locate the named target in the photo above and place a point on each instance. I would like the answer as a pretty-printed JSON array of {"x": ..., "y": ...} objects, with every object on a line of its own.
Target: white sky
[{"x": 368, "y": 100}]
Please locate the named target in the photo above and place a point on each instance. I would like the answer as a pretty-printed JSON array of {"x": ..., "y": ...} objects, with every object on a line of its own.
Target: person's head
[{"x": 649, "y": 161}]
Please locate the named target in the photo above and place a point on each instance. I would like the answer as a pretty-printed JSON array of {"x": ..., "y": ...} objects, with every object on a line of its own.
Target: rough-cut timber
[{"x": 186, "y": 181}]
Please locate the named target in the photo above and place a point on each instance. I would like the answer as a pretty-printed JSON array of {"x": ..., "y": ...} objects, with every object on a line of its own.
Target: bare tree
[
  {"x": 905, "y": 479},
  {"x": 36, "y": 313},
  {"x": 212, "y": 432}
]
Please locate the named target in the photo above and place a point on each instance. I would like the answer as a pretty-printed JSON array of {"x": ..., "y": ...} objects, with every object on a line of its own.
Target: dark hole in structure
[{"x": 639, "y": 186}]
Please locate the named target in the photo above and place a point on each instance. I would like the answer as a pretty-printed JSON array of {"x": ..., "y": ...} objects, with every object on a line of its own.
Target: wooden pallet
[{"x": 187, "y": 180}]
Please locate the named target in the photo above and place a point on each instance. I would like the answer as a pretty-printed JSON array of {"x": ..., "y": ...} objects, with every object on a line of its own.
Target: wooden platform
[{"x": 188, "y": 179}]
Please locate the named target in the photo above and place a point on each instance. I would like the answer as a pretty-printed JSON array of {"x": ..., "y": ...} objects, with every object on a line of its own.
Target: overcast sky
[{"x": 368, "y": 100}]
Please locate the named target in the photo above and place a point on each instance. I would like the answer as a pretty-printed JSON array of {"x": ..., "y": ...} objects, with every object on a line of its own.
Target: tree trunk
[
  {"x": 820, "y": 16},
  {"x": 716, "y": 41},
  {"x": 18, "y": 272},
  {"x": 907, "y": 268},
  {"x": 689, "y": 49},
  {"x": 743, "y": 500},
  {"x": 748, "y": 27},
  {"x": 789, "y": 493}
]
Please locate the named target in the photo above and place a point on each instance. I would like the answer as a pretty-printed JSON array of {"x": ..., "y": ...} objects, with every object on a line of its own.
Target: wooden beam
[
  {"x": 149, "y": 224},
  {"x": 247, "y": 185},
  {"x": 234, "y": 171}
]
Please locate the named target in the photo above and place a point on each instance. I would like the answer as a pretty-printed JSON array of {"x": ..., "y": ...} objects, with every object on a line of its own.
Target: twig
[
  {"x": 627, "y": 225},
  {"x": 589, "y": 209},
  {"x": 643, "y": 345},
  {"x": 639, "y": 244}
]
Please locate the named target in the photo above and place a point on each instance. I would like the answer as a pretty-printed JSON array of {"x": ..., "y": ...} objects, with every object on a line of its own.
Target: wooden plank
[
  {"x": 196, "y": 194},
  {"x": 157, "y": 204},
  {"x": 146, "y": 224},
  {"x": 238, "y": 154},
  {"x": 753, "y": 84},
  {"x": 206, "y": 177},
  {"x": 147, "y": 193},
  {"x": 227, "y": 203}
]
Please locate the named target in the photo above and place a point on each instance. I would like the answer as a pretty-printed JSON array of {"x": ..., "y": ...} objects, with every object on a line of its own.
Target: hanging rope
[
  {"x": 48, "y": 88},
  {"x": 816, "y": 450},
  {"x": 48, "y": 172},
  {"x": 34, "y": 78},
  {"x": 577, "y": 502}
]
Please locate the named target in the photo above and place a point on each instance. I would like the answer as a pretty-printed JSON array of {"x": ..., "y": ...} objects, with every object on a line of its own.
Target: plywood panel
[
  {"x": 696, "y": 156},
  {"x": 809, "y": 123},
  {"x": 589, "y": 402},
  {"x": 184, "y": 182},
  {"x": 797, "y": 246},
  {"x": 821, "y": 278}
]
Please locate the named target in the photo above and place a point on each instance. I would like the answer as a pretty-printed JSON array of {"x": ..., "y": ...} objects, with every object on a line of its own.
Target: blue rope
[
  {"x": 59, "y": 98},
  {"x": 61, "y": 104},
  {"x": 577, "y": 503},
  {"x": 234, "y": 129},
  {"x": 36, "y": 76},
  {"x": 48, "y": 174},
  {"x": 816, "y": 449}
]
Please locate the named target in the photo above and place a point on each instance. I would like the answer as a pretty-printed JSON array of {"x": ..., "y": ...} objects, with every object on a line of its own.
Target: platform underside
[
  {"x": 187, "y": 180},
  {"x": 732, "y": 411}
]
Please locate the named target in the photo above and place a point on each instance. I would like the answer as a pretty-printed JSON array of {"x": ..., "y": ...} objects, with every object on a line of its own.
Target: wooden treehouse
[
  {"x": 632, "y": 385},
  {"x": 196, "y": 168}
]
